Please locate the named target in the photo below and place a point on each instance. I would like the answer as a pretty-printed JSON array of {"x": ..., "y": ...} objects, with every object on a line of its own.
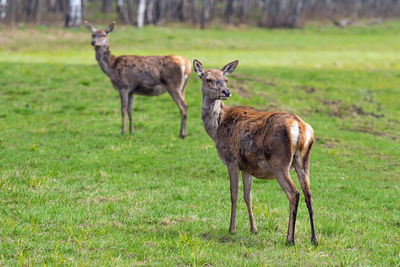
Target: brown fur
[
  {"x": 142, "y": 75},
  {"x": 263, "y": 144}
]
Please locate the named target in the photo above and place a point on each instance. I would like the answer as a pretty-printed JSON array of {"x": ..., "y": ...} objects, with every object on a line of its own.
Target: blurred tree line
[{"x": 265, "y": 13}]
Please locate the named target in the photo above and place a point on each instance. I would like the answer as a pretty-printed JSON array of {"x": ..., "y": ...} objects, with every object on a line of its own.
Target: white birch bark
[
  {"x": 141, "y": 10},
  {"x": 75, "y": 12},
  {"x": 3, "y": 9}
]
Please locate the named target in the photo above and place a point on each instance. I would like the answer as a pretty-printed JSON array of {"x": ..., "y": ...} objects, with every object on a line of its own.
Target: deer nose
[
  {"x": 226, "y": 92},
  {"x": 92, "y": 42}
]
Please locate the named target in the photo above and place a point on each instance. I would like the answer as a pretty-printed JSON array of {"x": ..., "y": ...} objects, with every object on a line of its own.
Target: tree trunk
[
  {"x": 194, "y": 12},
  {"x": 38, "y": 11},
  {"x": 3, "y": 9},
  {"x": 205, "y": 13},
  {"x": 13, "y": 12},
  {"x": 122, "y": 11},
  {"x": 141, "y": 10},
  {"x": 131, "y": 12},
  {"x": 183, "y": 10},
  {"x": 274, "y": 14},
  {"x": 243, "y": 10},
  {"x": 73, "y": 16},
  {"x": 107, "y": 6},
  {"x": 150, "y": 12},
  {"x": 293, "y": 16},
  {"x": 264, "y": 13},
  {"x": 229, "y": 11}
]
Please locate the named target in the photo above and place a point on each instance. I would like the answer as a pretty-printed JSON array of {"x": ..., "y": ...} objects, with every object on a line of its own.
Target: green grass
[{"x": 74, "y": 191}]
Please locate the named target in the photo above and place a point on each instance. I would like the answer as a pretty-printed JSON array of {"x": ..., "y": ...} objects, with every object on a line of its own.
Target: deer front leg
[
  {"x": 286, "y": 183},
  {"x": 123, "y": 93},
  {"x": 130, "y": 110},
  {"x": 247, "y": 182},
  {"x": 234, "y": 184}
]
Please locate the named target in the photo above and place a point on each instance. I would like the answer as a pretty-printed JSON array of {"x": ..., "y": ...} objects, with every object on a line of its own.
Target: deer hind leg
[
  {"x": 302, "y": 169},
  {"x": 247, "y": 183},
  {"x": 123, "y": 93},
  {"x": 130, "y": 110},
  {"x": 286, "y": 183},
  {"x": 177, "y": 96},
  {"x": 234, "y": 186},
  {"x": 184, "y": 82}
]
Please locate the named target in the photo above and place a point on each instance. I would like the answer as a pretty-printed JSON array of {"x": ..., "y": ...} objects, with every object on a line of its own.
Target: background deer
[
  {"x": 143, "y": 75},
  {"x": 257, "y": 143}
]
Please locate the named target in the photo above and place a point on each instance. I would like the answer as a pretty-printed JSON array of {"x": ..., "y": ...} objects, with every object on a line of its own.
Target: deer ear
[
  {"x": 89, "y": 26},
  {"x": 198, "y": 68},
  {"x": 230, "y": 67},
  {"x": 110, "y": 27}
]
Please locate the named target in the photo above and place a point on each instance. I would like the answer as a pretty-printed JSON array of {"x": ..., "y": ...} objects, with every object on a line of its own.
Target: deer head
[
  {"x": 99, "y": 37},
  {"x": 213, "y": 81}
]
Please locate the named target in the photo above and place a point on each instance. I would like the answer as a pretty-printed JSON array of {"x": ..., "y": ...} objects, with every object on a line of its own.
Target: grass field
[{"x": 75, "y": 191}]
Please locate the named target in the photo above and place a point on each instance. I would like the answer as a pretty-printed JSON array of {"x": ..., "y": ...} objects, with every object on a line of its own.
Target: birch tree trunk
[
  {"x": 73, "y": 17},
  {"x": 150, "y": 12},
  {"x": 141, "y": 10},
  {"x": 3, "y": 9}
]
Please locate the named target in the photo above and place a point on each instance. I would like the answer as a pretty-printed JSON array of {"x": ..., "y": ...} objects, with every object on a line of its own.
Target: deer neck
[
  {"x": 212, "y": 110},
  {"x": 104, "y": 58}
]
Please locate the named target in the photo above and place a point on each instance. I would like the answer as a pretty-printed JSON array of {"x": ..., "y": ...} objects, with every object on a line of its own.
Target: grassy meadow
[{"x": 73, "y": 190}]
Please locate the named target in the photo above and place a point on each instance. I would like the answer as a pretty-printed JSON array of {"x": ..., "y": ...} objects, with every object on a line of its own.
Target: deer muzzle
[{"x": 226, "y": 92}]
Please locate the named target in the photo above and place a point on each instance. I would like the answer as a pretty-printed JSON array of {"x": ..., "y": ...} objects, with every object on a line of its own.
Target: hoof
[
  {"x": 314, "y": 242},
  {"x": 232, "y": 231},
  {"x": 290, "y": 243},
  {"x": 254, "y": 231}
]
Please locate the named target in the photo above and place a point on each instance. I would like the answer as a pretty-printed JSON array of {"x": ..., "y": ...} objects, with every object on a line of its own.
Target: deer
[
  {"x": 263, "y": 144},
  {"x": 142, "y": 75}
]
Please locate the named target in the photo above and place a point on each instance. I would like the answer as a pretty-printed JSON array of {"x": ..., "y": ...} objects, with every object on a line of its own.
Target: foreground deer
[
  {"x": 258, "y": 143},
  {"x": 142, "y": 75}
]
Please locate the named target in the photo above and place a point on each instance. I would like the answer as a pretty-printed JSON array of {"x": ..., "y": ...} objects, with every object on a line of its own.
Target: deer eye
[{"x": 208, "y": 80}]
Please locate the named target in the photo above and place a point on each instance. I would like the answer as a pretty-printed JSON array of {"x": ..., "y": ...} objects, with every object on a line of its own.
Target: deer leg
[
  {"x": 247, "y": 182},
  {"x": 124, "y": 106},
  {"x": 130, "y": 110},
  {"x": 286, "y": 183},
  {"x": 186, "y": 78},
  {"x": 183, "y": 107},
  {"x": 234, "y": 185},
  {"x": 304, "y": 178}
]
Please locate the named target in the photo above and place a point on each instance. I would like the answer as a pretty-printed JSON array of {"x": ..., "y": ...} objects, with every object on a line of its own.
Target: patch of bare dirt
[
  {"x": 338, "y": 108},
  {"x": 240, "y": 86},
  {"x": 256, "y": 79},
  {"x": 327, "y": 142},
  {"x": 371, "y": 131},
  {"x": 306, "y": 89},
  {"x": 240, "y": 90}
]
